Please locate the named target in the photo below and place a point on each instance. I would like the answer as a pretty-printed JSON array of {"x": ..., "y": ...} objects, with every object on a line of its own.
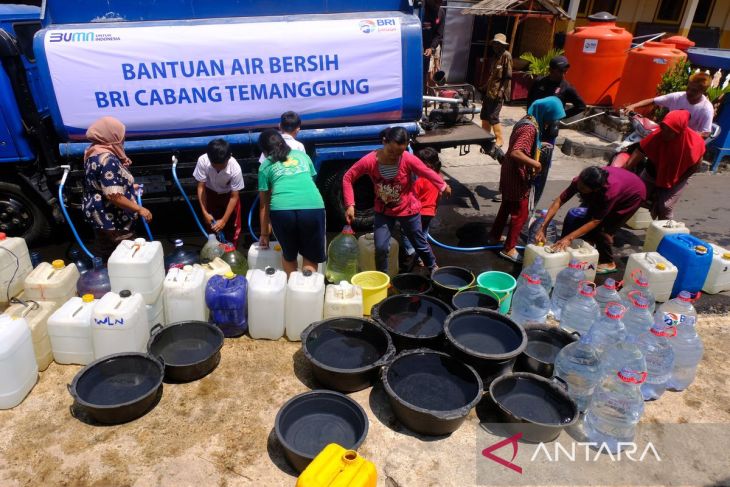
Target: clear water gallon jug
[
  {"x": 267, "y": 292},
  {"x": 658, "y": 270},
  {"x": 608, "y": 329},
  {"x": 82, "y": 261},
  {"x": 226, "y": 300},
  {"x": 585, "y": 253},
  {"x": 638, "y": 282},
  {"x": 184, "y": 294},
  {"x": 17, "y": 361},
  {"x": 212, "y": 249},
  {"x": 342, "y": 255},
  {"x": 637, "y": 319},
  {"x": 343, "y": 299},
  {"x": 366, "y": 254},
  {"x": 551, "y": 233},
  {"x": 235, "y": 260},
  {"x": 579, "y": 365},
  {"x": 95, "y": 281},
  {"x": 657, "y": 349},
  {"x": 530, "y": 303},
  {"x": 137, "y": 266},
  {"x": 52, "y": 282},
  {"x": 180, "y": 256},
  {"x": 687, "y": 344},
  {"x": 607, "y": 293},
  {"x": 260, "y": 258},
  {"x": 36, "y": 314},
  {"x": 119, "y": 324},
  {"x": 622, "y": 354},
  {"x": 69, "y": 328},
  {"x": 15, "y": 265},
  {"x": 537, "y": 268},
  {"x": 566, "y": 286},
  {"x": 582, "y": 310},
  {"x": 304, "y": 302}
]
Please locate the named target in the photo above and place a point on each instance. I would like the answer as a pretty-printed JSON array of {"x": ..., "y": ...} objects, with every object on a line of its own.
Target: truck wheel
[
  {"x": 20, "y": 216},
  {"x": 364, "y": 199}
]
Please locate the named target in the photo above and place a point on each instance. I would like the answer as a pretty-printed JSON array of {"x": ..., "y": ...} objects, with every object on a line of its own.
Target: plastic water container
[
  {"x": 637, "y": 282},
  {"x": 637, "y": 319},
  {"x": 566, "y": 286},
  {"x": 606, "y": 293},
  {"x": 259, "y": 258},
  {"x": 582, "y": 310},
  {"x": 575, "y": 218},
  {"x": 82, "y": 261},
  {"x": 156, "y": 312},
  {"x": 537, "y": 267},
  {"x": 36, "y": 314},
  {"x": 342, "y": 299},
  {"x": 69, "y": 328},
  {"x": 336, "y": 467},
  {"x": 235, "y": 260},
  {"x": 137, "y": 266},
  {"x": 95, "y": 281},
  {"x": 304, "y": 302},
  {"x": 212, "y": 249},
  {"x": 660, "y": 273},
  {"x": 180, "y": 257},
  {"x": 718, "y": 278},
  {"x": 658, "y": 229},
  {"x": 52, "y": 282},
  {"x": 615, "y": 408},
  {"x": 579, "y": 365},
  {"x": 35, "y": 259},
  {"x": 342, "y": 255},
  {"x": 366, "y": 254},
  {"x": 582, "y": 251},
  {"x": 119, "y": 324},
  {"x": 267, "y": 303},
  {"x": 687, "y": 344},
  {"x": 608, "y": 329},
  {"x": 17, "y": 361},
  {"x": 216, "y": 267},
  {"x": 530, "y": 303},
  {"x": 551, "y": 233},
  {"x": 184, "y": 295},
  {"x": 656, "y": 346},
  {"x": 13, "y": 272},
  {"x": 640, "y": 220},
  {"x": 622, "y": 354},
  {"x": 226, "y": 300},
  {"x": 693, "y": 259},
  {"x": 554, "y": 262}
]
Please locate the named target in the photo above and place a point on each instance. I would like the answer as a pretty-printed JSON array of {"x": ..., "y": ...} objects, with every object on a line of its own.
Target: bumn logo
[
  {"x": 487, "y": 452},
  {"x": 71, "y": 37}
]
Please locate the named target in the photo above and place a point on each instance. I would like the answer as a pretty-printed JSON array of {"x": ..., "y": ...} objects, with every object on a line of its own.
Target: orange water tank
[
  {"x": 680, "y": 42},
  {"x": 597, "y": 53},
  {"x": 644, "y": 69}
]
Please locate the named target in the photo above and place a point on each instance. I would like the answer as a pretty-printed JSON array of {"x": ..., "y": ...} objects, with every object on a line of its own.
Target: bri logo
[
  {"x": 367, "y": 26},
  {"x": 71, "y": 37}
]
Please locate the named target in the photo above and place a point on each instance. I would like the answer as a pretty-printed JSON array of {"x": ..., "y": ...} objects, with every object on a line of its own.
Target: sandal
[
  {"x": 517, "y": 258},
  {"x": 600, "y": 271}
]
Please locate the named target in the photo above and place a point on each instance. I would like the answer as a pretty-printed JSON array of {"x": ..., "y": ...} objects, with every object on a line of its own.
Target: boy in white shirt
[
  {"x": 289, "y": 126},
  {"x": 220, "y": 179}
]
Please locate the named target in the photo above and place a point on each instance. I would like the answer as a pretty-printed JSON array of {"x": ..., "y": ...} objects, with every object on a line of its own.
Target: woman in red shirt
[{"x": 391, "y": 170}]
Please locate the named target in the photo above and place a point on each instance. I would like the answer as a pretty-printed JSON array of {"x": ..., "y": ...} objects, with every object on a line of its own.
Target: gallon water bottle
[
  {"x": 226, "y": 299},
  {"x": 551, "y": 233},
  {"x": 579, "y": 365},
  {"x": 608, "y": 329},
  {"x": 342, "y": 256},
  {"x": 81, "y": 261},
  {"x": 566, "y": 286},
  {"x": 15, "y": 265},
  {"x": 657, "y": 348},
  {"x": 637, "y": 319},
  {"x": 615, "y": 409},
  {"x": 212, "y": 249},
  {"x": 530, "y": 303},
  {"x": 607, "y": 293},
  {"x": 180, "y": 257},
  {"x": 35, "y": 258},
  {"x": 687, "y": 345},
  {"x": 537, "y": 268},
  {"x": 622, "y": 354},
  {"x": 235, "y": 259},
  {"x": 582, "y": 310},
  {"x": 95, "y": 281},
  {"x": 638, "y": 282}
]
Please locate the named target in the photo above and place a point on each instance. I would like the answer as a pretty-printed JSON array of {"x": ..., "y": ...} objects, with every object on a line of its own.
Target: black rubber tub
[
  {"x": 486, "y": 340},
  {"x": 190, "y": 350},
  {"x": 307, "y": 423},
  {"x": 544, "y": 342},
  {"x": 533, "y": 405},
  {"x": 346, "y": 353},
  {"x": 447, "y": 281},
  {"x": 431, "y": 392},
  {"x": 474, "y": 299},
  {"x": 413, "y": 320},
  {"x": 410, "y": 283},
  {"x": 118, "y": 388}
]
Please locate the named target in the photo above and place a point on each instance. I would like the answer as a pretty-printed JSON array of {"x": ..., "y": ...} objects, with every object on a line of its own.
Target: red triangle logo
[{"x": 487, "y": 452}]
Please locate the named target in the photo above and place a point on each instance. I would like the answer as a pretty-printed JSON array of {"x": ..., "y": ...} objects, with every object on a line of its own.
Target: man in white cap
[{"x": 496, "y": 88}]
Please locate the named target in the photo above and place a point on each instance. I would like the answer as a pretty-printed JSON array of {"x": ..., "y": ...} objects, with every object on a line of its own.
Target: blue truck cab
[{"x": 178, "y": 73}]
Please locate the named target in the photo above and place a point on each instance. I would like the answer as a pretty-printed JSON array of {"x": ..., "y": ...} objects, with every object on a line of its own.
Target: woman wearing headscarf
[
  {"x": 108, "y": 203},
  {"x": 519, "y": 168},
  {"x": 674, "y": 152}
]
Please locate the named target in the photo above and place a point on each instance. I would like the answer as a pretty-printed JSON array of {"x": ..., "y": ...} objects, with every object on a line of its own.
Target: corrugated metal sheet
[{"x": 506, "y": 7}]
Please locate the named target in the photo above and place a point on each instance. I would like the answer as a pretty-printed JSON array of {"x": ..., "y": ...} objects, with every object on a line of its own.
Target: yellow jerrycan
[{"x": 337, "y": 467}]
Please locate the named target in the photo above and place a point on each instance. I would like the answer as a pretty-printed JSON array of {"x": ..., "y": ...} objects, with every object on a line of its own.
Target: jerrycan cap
[
  {"x": 307, "y": 272},
  {"x": 615, "y": 310},
  {"x": 58, "y": 264},
  {"x": 725, "y": 256},
  {"x": 187, "y": 268},
  {"x": 700, "y": 249},
  {"x": 661, "y": 266},
  {"x": 270, "y": 271},
  {"x": 632, "y": 376},
  {"x": 87, "y": 298},
  {"x": 3, "y": 236},
  {"x": 229, "y": 275},
  {"x": 277, "y": 248},
  {"x": 347, "y": 230},
  {"x": 125, "y": 293}
]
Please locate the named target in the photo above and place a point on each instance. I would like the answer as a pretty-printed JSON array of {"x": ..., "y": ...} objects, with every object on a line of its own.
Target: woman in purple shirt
[{"x": 611, "y": 195}]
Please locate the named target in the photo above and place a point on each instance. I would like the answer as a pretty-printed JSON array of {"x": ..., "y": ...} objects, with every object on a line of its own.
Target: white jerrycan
[
  {"x": 52, "y": 282},
  {"x": 657, "y": 269},
  {"x": 553, "y": 262},
  {"x": 266, "y": 303},
  {"x": 216, "y": 267},
  {"x": 184, "y": 294},
  {"x": 658, "y": 229},
  {"x": 582, "y": 251},
  {"x": 304, "y": 302},
  {"x": 259, "y": 258},
  {"x": 718, "y": 279},
  {"x": 137, "y": 266},
  {"x": 15, "y": 265},
  {"x": 69, "y": 329},
  {"x": 17, "y": 361},
  {"x": 343, "y": 299},
  {"x": 36, "y": 314},
  {"x": 119, "y": 324},
  {"x": 640, "y": 220}
]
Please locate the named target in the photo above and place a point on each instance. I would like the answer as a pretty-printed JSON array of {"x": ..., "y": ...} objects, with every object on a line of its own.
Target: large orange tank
[
  {"x": 597, "y": 53},
  {"x": 644, "y": 69}
]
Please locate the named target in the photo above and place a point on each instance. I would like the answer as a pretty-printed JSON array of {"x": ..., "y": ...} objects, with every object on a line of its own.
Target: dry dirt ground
[{"x": 218, "y": 431}]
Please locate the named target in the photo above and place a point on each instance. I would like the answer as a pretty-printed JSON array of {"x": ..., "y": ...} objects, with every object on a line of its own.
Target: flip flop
[
  {"x": 516, "y": 260},
  {"x": 600, "y": 271}
]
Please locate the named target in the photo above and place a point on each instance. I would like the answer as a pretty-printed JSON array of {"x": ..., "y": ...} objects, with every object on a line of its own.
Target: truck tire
[
  {"x": 364, "y": 200},
  {"x": 21, "y": 216}
]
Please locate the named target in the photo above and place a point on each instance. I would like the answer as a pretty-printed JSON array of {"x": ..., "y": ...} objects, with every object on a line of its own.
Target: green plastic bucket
[{"x": 500, "y": 285}]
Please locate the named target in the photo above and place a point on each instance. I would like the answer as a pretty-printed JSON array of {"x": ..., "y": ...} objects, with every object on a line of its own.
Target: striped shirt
[
  {"x": 388, "y": 171},
  {"x": 514, "y": 181}
]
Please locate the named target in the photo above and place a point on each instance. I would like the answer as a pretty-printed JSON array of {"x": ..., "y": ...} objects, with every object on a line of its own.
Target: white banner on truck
[{"x": 196, "y": 78}]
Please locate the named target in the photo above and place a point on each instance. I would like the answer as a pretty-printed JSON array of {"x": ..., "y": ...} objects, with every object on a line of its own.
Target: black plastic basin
[
  {"x": 118, "y": 388},
  {"x": 544, "y": 342},
  {"x": 346, "y": 353},
  {"x": 533, "y": 405},
  {"x": 447, "y": 281},
  {"x": 413, "y": 321},
  {"x": 486, "y": 340},
  {"x": 307, "y": 423},
  {"x": 410, "y": 283},
  {"x": 431, "y": 392},
  {"x": 474, "y": 299},
  {"x": 190, "y": 350}
]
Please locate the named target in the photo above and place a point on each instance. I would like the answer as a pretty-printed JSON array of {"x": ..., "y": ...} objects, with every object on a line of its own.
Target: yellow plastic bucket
[{"x": 374, "y": 286}]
